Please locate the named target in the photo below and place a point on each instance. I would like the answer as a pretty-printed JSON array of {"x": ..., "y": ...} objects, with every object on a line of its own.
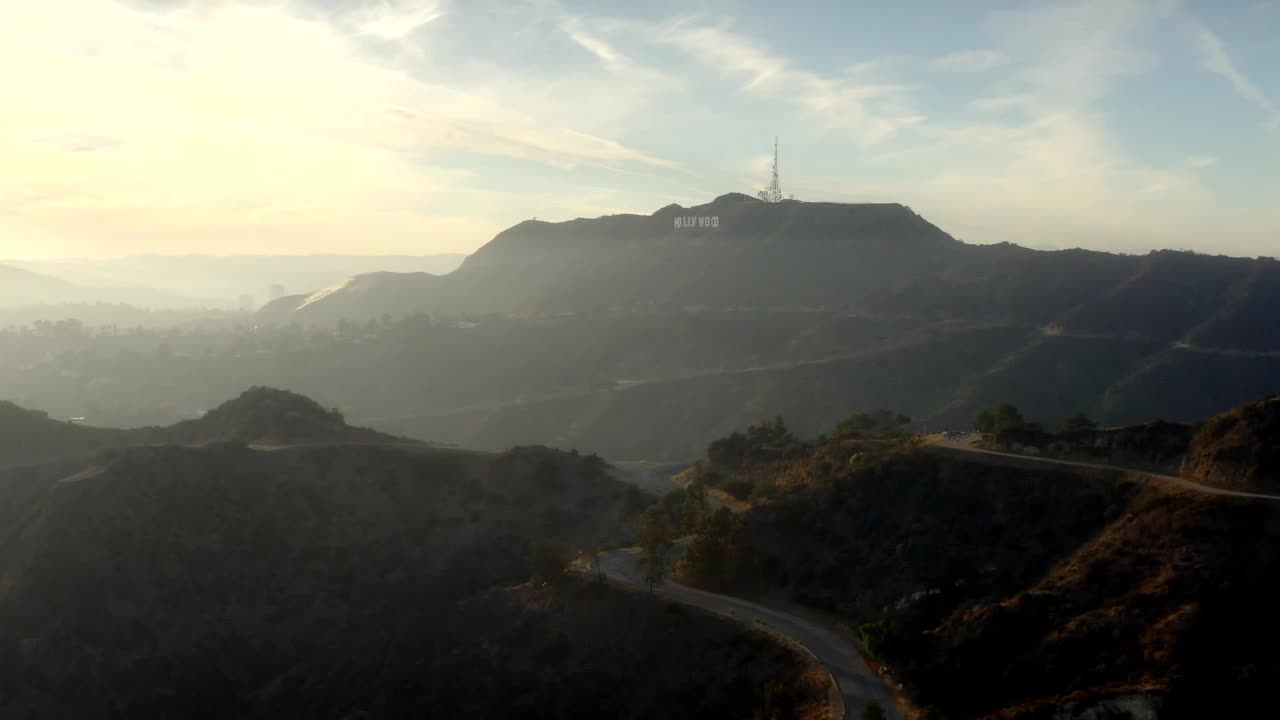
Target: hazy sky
[{"x": 299, "y": 126}]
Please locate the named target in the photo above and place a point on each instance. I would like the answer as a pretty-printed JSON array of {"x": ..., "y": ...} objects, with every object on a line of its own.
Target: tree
[
  {"x": 696, "y": 508},
  {"x": 1004, "y": 421},
  {"x": 655, "y": 535},
  {"x": 548, "y": 560},
  {"x": 673, "y": 504},
  {"x": 710, "y": 555},
  {"x": 771, "y": 433},
  {"x": 881, "y": 423},
  {"x": 873, "y": 711},
  {"x": 1077, "y": 423}
]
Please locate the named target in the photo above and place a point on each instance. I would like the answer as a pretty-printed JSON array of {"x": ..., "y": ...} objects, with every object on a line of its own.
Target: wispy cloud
[
  {"x": 1072, "y": 53},
  {"x": 1218, "y": 61},
  {"x": 621, "y": 66},
  {"x": 872, "y": 111},
  {"x": 395, "y": 20}
]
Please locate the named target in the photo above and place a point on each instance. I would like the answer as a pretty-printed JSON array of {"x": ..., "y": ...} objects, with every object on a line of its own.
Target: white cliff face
[{"x": 1138, "y": 706}]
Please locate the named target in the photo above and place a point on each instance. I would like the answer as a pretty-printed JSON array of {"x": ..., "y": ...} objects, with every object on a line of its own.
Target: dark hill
[
  {"x": 789, "y": 254},
  {"x": 31, "y": 434},
  {"x": 259, "y": 416},
  {"x": 270, "y": 417},
  {"x": 881, "y": 258},
  {"x": 220, "y": 581}
]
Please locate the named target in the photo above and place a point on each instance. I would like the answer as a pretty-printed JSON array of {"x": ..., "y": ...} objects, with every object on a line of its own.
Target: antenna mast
[{"x": 774, "y": 193}]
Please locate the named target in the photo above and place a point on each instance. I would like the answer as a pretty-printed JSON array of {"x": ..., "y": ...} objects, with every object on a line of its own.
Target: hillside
[
  {"x": 789, "y": 254},
  {"x": 258, "y": 416},
  {"x": 245, "y": 565},
  {"x": 331, "y": 572},
  {"x": 879, "y": 258},
  {"x": 960, "y": 326},
  {"x": 22, "y": 287},
  {"x": 270, "y": 417},
  {"x": 1016, "y": 591},
  {"x": 1238, "y": 449}
]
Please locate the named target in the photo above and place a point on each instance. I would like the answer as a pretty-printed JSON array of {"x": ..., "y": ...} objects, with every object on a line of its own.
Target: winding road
[
  {"x": 961, "y": 445},
  {"x": 857, "y": 683}
]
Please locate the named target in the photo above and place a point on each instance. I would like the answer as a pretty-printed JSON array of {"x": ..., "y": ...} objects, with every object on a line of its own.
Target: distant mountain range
[
  {"x": 739, "y": 252},
  {"x": 735, "y": 251},
  {"x": 639, "y": 336},
  {"x": 187, "y": 281},
  {"x": 18, "y": 286}
]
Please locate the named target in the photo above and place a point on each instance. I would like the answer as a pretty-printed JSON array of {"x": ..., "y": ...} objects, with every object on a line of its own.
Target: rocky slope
[
  {"x": 1003, "y": 591},
  {"x": 1239, "y": 449}
]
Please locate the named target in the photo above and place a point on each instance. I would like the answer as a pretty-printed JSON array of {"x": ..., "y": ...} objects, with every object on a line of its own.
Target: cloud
[
  {"x": 1071, "y": 53},
  {"x": 872, "y": 112},
  {"x": 1218, "y": 61},
  {"x": 1038, "y": 163},
  {"x": 244, "y": 126},
  {"x": 395, "y": 20},
  {"x": 619, "y": 65},
  {"x": 970, "y": 61}
]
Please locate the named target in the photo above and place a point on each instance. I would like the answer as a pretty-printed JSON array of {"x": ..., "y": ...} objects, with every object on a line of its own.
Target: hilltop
[
  {"x": 1012, "y": 590},
  {"x": 790, "y": 254},
  {"x": 1239, "y": 449},
  {"x": 260, "y": 415},
  {"x": 277, "y": 563},
  {"x": 879, "y": 258}
]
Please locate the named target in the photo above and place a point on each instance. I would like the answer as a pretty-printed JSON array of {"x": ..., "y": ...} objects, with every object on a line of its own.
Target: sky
[{"x": 428, "y": 126}]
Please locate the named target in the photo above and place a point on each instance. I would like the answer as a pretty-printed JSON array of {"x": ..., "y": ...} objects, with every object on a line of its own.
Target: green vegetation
[
  {"x": 655, "y": 534},
  {"x": 1005, "y": 424},
  {"x": 709, "y": 561},
  {"x": 872, "y": 711},
  {"x": 879, "y": 424}
]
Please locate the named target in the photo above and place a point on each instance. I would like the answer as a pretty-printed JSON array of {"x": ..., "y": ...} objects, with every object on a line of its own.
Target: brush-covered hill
[
  {"x": 326, "y": 572},
  {"x": 1017, "y": 590},
  {"x": 1239, "y": 449}
]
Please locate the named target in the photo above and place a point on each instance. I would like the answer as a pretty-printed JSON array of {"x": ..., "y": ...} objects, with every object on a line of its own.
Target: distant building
[
  {"x": 246, "y": 303},
  {"x": 275, "y": 292}
]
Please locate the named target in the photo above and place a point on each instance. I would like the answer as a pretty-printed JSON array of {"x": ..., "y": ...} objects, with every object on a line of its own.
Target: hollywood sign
[{"x": 698, "y": 221}]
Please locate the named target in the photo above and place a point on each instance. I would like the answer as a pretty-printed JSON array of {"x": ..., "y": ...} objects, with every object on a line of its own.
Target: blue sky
[{"x": 301, "y": 126}]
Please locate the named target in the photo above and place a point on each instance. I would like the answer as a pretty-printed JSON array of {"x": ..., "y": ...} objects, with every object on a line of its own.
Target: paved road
[
  {"x": 964, "y": 445},
  {"x": 858, "y": 684}
]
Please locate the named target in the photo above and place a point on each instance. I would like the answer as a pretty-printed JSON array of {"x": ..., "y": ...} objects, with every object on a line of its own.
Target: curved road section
[
  {"x": 857, "y": 683},
  {"x": 966, "y": 446}
]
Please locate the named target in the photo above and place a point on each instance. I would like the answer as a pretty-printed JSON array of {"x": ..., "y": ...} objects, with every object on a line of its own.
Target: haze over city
[{"x": 418, "y": 127}]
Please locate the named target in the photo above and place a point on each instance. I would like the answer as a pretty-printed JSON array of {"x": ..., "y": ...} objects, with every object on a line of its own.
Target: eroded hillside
[{"x": 1011, "y": 589}]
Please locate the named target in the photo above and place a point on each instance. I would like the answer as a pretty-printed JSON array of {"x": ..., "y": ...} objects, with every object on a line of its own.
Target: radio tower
[{"x": 774, "y": 193}]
